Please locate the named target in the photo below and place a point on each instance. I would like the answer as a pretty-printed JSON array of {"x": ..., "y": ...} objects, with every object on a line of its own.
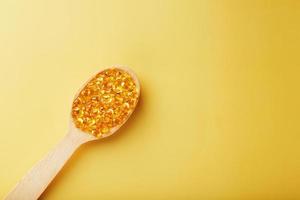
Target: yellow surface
[{"x": 219, "y": 114}]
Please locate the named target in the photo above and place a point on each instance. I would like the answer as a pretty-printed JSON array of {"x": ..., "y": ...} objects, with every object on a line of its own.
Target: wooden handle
[{"x": 32, "y": 185}]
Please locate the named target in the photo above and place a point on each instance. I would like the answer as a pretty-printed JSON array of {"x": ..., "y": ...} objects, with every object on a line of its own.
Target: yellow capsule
[
  {"x": 76, "y": 108},
  {"x": 106, "y": 99},
  {"x": 110, "y": 111},
  {"x": 119, "y": 98},
  {"x": 99, "y": 79},
  {"x": 126, "y": 105},
  {"x": 95, "y": 110},
  {"x": 80, "y": 120},
  {"x": 98, "y": 134},
  {"x": 104, "y": 130},
  {"x": 118, "y": 89},
  {"x": 81, "y": 113},
  {"x": 91, "y": 122}
]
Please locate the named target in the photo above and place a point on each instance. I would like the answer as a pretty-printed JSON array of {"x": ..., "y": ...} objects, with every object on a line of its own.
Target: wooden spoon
[{"x": 32, "y": 185}]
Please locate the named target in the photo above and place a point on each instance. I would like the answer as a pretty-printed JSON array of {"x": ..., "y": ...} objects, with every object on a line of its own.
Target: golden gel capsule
[{"x": 105, "y": 102}]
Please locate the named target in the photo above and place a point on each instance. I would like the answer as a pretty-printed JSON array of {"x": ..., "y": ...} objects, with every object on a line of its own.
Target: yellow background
[{"x": 219, "y": 114}]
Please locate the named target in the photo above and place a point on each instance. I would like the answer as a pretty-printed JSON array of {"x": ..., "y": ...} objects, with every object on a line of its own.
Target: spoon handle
[{"x": 32, "y": 185}]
